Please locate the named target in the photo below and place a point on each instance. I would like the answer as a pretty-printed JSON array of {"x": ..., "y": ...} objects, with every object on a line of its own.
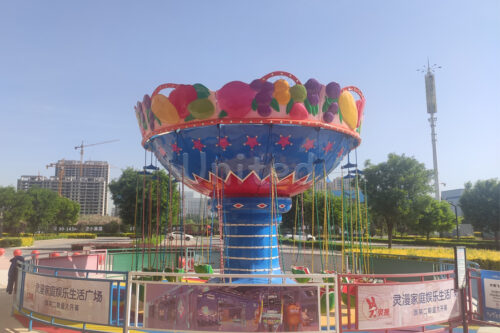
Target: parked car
[
  {"x": 179, "y": 235},
  {"x": 300, "y": 236}
]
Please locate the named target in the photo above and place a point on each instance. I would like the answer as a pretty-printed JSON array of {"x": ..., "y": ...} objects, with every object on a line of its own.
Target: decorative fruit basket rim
[{"x": 168, "y": 128}]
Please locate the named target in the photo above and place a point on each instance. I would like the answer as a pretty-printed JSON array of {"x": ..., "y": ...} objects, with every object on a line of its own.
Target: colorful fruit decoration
[
  {"x": 164, "y": 110},
  {"x": 181, "y": 96},
  {"x": 348, "y": 109},
  {"x": 201, "y": 108},
  {"x": 236, "y": 98},
  {"x": 332, "y": 90},
  {"x": 140, "y": 116},
  {"x": 298, "y": 93},
  {"x": 330, "y": 114},
  {"x": 282, "y": 91},
  {"x": 201, "y": 90},
  {"x": 298, "y": 111},
  {"x": 360, "y": 105},
  {"x": 146, "y": 109},
  {"x": 330, "y": 106},
  {"x": 313, "y": 88},
  {"x": 263, "y": 98},
  {"x": 279, "y": 139}
]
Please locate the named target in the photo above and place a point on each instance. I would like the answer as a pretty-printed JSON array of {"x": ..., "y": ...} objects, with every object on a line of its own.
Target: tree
[
  {"x": 481, "y": 206},
  {"x": 6, "y": 201},
  {"x": 14, "y": 208},
  {"x": 133, "y": 191},
  {"x": 67, "y": 213},
  {"x": 44, "y": 209},
  {"x": 293, "y": 218},
  {"x": 434, "y": 216},
  {"x": 393, "y": 187}
]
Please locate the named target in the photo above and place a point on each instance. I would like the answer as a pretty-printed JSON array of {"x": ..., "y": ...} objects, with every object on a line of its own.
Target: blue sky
[{"x": 73, "y": 70}]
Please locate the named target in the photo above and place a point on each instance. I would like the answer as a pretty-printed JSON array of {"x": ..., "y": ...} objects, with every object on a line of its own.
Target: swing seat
[
  {"x": 301, "y": 270},
  {"x": 204, "y": 269},
  {"x": 331, "y": 300},
  {"x": 151, "y": 278},
  {"x": 330, "y": 279},
  {"x": 174, "y": 278},
  {"x": 348, "y": 291}
]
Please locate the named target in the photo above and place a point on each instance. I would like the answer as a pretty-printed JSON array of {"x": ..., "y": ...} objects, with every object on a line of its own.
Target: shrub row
[
  {"x": 61, "y": 235},
  {"x": 16, "y": 241},
  {"x": 82, "y": 235},
  {"x": 116, "y": 234},
  {"x": 413, "y": 237},
  {"x": 468, "y": 242}
]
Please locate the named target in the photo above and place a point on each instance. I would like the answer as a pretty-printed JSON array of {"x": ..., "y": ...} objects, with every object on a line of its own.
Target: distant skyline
[{"x": 72, "y": 71}]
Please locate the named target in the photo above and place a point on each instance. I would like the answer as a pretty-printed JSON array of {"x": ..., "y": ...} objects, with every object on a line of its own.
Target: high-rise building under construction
[{"x": 85, "y": 183}]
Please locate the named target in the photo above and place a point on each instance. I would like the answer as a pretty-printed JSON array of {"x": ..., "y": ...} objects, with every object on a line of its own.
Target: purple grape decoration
[
  {"x": 263, "y": 97},
  {"x": 328, "y": 117},
  {"x": 313, "y": 86},
  {"x": 333, "y": 108},
  {"x": 146, "y": 101},
  {"x": 264, "y": 110},
  {"x": 313, "y": 98},
  {"x": 333, "y": 90},
  {"x": 267, "y": 87},
  {"x": 257, "y": 84}
]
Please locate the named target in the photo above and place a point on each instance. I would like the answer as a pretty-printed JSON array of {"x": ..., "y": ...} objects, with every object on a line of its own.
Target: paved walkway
[{"x": 7, "y": 322}]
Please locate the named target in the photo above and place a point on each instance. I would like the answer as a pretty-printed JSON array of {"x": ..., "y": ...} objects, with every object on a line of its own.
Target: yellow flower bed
[
  {"x": 16, "y": 241},
  {"x": 27, "y": 241},
  {"x": 487, "y": 259}
]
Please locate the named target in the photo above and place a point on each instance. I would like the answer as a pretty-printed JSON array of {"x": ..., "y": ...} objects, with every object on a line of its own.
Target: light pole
[{"x": 456, "y": 217}]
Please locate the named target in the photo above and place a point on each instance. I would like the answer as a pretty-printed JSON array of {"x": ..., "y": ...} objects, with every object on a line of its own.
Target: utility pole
[
  {"x": 456, "y": 218},
  {"x": 430, "y": 93}
]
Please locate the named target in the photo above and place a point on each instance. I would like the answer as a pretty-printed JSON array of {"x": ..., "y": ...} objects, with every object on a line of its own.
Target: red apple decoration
[{"x": 236, "y": 98}]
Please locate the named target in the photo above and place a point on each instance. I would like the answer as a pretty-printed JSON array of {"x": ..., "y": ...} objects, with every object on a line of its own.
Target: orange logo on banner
[{"x": 371, "y": 310}]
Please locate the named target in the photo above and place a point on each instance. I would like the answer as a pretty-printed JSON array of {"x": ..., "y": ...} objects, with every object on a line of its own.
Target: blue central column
[{"x": 250, "y": 235}]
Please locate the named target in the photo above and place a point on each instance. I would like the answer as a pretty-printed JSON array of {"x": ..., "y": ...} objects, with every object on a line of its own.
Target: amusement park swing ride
[{"x": 250, "y": 148}]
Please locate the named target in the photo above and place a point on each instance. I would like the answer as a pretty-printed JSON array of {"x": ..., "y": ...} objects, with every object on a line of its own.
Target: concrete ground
[{"x": 7, "y": 322}]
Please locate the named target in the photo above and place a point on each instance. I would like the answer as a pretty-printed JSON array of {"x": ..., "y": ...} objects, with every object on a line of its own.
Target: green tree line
[
  {"x": 398, "y": 193},
  {"x": 35, "y": 210}
]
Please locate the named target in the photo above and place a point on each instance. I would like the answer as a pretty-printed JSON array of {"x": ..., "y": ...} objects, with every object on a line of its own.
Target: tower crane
[
  {"x": 81, "y": 146},
  {"x": 60, "y": 174}
]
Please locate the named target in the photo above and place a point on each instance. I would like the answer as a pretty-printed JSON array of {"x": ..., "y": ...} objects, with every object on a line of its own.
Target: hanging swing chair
[
  {"x": 301, "y": 270},
  {"x": 200, "y": 267},
  {"x": 296, "y": 269}
]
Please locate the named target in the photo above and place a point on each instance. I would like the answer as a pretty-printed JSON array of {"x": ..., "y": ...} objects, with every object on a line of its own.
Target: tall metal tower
[{"x": 430, "y": 93}]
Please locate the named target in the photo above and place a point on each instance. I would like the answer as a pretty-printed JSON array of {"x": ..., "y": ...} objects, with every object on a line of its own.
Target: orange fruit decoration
[
  {"x": 282, "y": 91},
  {"x": 164, "y": 110}
]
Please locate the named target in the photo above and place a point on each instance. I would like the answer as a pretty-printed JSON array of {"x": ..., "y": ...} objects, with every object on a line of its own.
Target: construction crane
[
  {"x": 81, "y": 146},
  {"x": 60, "y": 174}
]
